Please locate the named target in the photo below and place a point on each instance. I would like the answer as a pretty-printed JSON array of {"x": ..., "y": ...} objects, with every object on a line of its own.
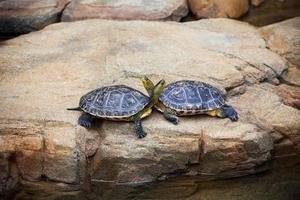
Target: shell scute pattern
[
  {"x": 111, "y": 101},
  {"x": 191, "y": 96}
]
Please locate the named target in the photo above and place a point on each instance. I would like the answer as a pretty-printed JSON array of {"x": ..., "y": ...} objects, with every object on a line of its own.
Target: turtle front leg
[
  {"x": 85, "y": 120},
  {"x": 140, "y": 133},
  {"x": 171, "y": 117},
  {"x": 228, "y": 111}
]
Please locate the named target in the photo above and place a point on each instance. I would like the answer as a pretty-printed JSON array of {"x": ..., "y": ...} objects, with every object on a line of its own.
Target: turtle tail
[{"x": 76, "y": 109}]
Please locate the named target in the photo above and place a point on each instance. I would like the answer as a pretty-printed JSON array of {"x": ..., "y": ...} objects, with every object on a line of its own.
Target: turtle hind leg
[
  {"x": 85, "y": 120},
  {"x": 171, "y": 117},
  {"x": 140, "y": 133},
  {"x": 228, "y": 111}
]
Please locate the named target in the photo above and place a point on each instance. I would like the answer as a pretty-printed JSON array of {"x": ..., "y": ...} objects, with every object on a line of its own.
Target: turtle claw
[
  {"x": 234, "y": 117},
  {"x": 85, "y": 124},
  {"x": 176, "y": 122},
  {"x": 85, "y": 120},
  {"x": 171, "y": 118},
  {"x": 141, "y": 135}
]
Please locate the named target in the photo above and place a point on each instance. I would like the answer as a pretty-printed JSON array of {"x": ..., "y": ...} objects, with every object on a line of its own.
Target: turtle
[
  {"x": 118, "y": 103},
  {"x": 190, "y": 97}
]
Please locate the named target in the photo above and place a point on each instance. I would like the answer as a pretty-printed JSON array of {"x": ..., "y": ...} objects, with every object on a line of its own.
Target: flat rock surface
[
  {"x": 126, "y": 10},
  {"x": 45, "y": 72},
  {"x": 29, "y": 15}
]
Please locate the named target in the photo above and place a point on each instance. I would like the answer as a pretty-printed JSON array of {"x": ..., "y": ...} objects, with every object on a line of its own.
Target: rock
[
  {"x": 49, "y": 190},
  {"x": 283, "y": 38},
  {"x": 29, "y": 15},
  {"x": 61, "y": 153},
  {"x": 290, "y": 95},
  {"x": 126, "y": 10},
  {"x": 223, "y": 150},
  {"x": 264, "y": 108},
  {"x": 237, "y": 91},
  {"x": 258, "y": 63},
  {"x": 256, "y": 2},
  {"x": 9, "y": 177},
  {"x": 272, "y": 11},
  {"x": 291, "y": 76},
  {"x": 45, "y": 72},
  {"x": 215, "y": 8}
]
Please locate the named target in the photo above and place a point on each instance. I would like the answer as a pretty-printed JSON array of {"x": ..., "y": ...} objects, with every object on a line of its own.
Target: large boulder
[
  {"x": 45, "y": 72},
  {"x": 217, "y": 8},
  {"x": 29, "y": 15},
  {"x": 283, "y": 38},
  {"x": 126, "y": 10}
]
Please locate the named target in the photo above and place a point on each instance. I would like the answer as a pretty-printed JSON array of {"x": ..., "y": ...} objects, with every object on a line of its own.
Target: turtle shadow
[{"x": 97, "y": 123}]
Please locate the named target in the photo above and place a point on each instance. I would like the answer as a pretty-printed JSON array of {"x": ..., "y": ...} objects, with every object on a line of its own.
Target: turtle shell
[
  {"x": 191, "y": 96},
  {"x": 118, "y": 101}
]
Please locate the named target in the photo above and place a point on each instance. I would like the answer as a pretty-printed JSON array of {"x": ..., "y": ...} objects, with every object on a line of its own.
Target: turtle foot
[
  {"x": 228, "y": 111},
  {"x": 85, "y": 120},
  {"x": 140, "y": 133},
  {"x": 171, "y": 118}
]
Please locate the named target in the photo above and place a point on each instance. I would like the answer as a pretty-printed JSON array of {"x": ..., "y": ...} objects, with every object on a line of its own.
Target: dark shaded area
[
  {"x": 279, "y": 184},
  {"x": 4, "y": 37},
  {"x": 9, "y": 175},
  {"x": 190, "y": 17},
  {"x": 272, "y": 11}
]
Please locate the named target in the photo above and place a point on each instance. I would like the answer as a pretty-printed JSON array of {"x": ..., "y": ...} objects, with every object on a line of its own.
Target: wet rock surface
[
  {"x": 271, "y": 11},
  {"x": 280, "y": 184},
  {"x": 45, "y": 72}
]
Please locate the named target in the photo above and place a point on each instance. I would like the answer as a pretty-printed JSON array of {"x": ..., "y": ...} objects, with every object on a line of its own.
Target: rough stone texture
[
  {"x": 9, "y": 177},
  {"x": 218, "y": 8},
  {"x": 283, "y": 38},
  {"x": 126, "y": 10},
  {"x": 272, "y": 11},
  {"x": 266, "y": 109},
  {"x": 245, "y": 44},
  {"x": 290, "y": 95},
  {"x": 45, "y": 72},
  {"x": 29, "y": 15}
]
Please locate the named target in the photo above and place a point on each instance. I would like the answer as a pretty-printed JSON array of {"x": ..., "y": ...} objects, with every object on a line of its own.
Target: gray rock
[
  {"x": 25, "y": 16},
  {"x": 126, "y": 10}
]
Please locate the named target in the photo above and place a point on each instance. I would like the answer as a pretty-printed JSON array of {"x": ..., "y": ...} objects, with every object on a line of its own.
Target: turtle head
[
  {"x": 157, "y": 89},
  {"x": 148, "y": 84},
  {"x": 155, "y": 92}
]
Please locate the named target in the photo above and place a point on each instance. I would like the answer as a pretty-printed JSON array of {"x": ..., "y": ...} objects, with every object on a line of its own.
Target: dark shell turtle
[
  {"x": 190, "y": 97},
  {"x": 187, "y": 97},
  {"x": 118, "y": 103}
]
